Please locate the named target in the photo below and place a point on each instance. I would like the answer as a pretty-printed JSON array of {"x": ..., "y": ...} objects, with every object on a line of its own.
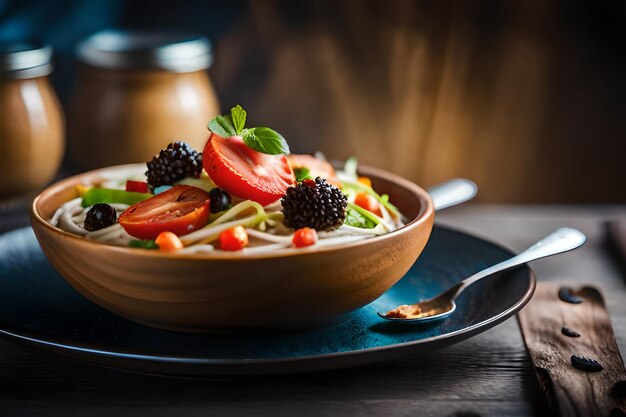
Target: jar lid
[
  {"x": 117, "y": 49},
  {"x": 25, "y": 59}
]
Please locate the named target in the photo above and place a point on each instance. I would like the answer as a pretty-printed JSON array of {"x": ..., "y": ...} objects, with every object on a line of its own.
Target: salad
[{"x": 244, "y": 193}]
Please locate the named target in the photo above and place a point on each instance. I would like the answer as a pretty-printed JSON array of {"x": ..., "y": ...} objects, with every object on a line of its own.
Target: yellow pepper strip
[
  {"x": 82, "y": 189},
  {"x": 365, "y": 181}
]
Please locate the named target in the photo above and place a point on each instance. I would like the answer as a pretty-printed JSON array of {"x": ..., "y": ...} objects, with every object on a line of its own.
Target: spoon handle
[
  {"x": 451, "y": 193},
  {"x": 559, "y": 241}
]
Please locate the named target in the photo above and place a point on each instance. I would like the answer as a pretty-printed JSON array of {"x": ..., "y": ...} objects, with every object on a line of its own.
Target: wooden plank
[{"x": 572, "y": 391}]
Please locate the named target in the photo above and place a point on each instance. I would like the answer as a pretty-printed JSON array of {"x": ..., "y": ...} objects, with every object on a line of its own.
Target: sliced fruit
[
  {"x": 244, "y": 172},
  {"x": 317, "y": 167},
  {"x": 180, "y": 210}
]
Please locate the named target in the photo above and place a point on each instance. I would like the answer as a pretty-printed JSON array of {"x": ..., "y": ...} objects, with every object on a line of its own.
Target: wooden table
[{"x": 487, "y": 375}]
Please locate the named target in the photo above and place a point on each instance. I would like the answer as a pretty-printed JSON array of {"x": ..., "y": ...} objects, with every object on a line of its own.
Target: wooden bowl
[{"x": 234, "y": 292}]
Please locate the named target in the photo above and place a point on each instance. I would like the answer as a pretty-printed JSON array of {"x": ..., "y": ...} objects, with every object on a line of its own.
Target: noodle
[
  {"x": 70, "y": 217},
  {"x": 264, "y": 225}
]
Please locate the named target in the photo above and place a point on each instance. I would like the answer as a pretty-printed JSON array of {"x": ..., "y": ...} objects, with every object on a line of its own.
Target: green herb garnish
[
  {"x": 302, "y": 173},
  {"x": 143, "y": 244},
  {"x": 238, "y": 116},
  {"x": 261, "y": 139},
  {"x": 356, "y": 219},
  {"x": 223, "y": 126},
  {"x": 366, "y": 214}
]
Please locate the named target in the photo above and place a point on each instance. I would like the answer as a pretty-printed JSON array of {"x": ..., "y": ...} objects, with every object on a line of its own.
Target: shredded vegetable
[{"x": 263, "y": 225}]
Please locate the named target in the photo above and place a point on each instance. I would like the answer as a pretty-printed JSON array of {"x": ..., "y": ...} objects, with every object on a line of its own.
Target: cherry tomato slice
[
  {"x": 304, "y": 237},
  {"x": 180, "y": 210},
  {"x": 244, "y": 172},
  {"x": 168, "y": 242},
  {"x": 369, "y": 203},
  {"x": 234, "y": 239},
  {"x": 317, "y": 167}
]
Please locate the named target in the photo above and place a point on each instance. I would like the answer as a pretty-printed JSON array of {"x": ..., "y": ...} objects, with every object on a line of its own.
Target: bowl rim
[{"x": 426, "y": 212}]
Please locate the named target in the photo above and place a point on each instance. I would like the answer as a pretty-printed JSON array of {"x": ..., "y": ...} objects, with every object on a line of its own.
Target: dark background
[{"x": 526, "y": 98}]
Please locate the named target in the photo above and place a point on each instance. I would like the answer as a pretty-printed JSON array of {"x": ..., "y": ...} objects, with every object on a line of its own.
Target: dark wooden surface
[
  {"x": 488, "y": 375},
  {"x": 569, "y": 390}
]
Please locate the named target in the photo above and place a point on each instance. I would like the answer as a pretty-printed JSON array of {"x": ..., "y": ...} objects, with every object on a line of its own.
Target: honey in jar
[
  {"x": 136, "y": 92},
  {"x": 32, "y": 126}
]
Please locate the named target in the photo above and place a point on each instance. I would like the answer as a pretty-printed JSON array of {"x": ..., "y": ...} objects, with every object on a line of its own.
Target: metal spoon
[
  {"x": 561, "y": 240},
  {"x": 453, "y": 192}
]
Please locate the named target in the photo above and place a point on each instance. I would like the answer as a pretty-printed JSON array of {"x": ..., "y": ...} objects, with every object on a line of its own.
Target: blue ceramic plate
[{"x": 38, "y": 308}]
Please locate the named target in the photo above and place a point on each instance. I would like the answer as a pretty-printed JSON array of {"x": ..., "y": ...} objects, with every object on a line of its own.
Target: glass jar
[
  {"x": 136, "y": 92},
  {"x": 32, "y": 127}
]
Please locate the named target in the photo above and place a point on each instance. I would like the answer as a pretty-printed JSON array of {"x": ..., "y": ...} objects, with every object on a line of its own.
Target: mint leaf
[
  {"x": 302, "y": 173},
  {"x": 265, "y": 140},
  {"x": 222, "y": 126},
  {"x": 238, "y": 117},
  {"x": 260, "y": 139},
  {"x": 356, "y": 219}
]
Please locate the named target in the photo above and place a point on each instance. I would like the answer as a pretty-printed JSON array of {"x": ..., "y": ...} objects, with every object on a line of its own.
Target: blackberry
[
  {"x": 99, "y": 216},
  {"x": 314, "y": 204},
  {"x": 174, "y": 163},
  {"x": 219, "y": 200}
]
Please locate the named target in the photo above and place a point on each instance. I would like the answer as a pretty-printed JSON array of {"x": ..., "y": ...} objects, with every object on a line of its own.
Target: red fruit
[
  {"x": 309, "y": 183},
  {"x": 234, "y": 239},
  {"x": 137, "y": 186},
  {"x": 369, "y": 203},
  {"x": 168, "y": 242},
  {"x": 317, "y": 167},
  {"x": 180, "y": 210},
  {"x": 304, "y": 237},
  {"x": 244, "y": 172}
]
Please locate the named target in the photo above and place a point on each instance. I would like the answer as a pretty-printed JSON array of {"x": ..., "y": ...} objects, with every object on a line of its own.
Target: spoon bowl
[{"x": 438, "y": 315}]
